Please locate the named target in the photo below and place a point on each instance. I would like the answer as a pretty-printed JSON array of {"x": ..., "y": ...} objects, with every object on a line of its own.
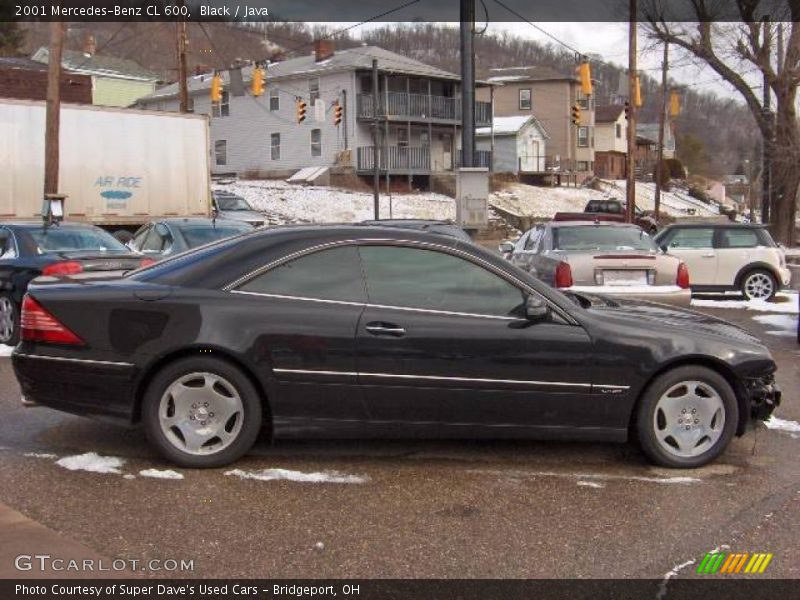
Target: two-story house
[
  {"x": 550, "y": 96},
  {"x": 610, "y": 141},
  {"x": 416, "y": 116}
]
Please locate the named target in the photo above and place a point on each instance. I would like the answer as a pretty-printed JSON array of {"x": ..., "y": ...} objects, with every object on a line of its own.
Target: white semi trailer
[{"x": 119, "y": 168}]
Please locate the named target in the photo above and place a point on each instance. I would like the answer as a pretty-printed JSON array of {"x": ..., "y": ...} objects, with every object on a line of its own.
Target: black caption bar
[
  {"x": 381, "y": 10},
  {"x": 378, "y": 589}
]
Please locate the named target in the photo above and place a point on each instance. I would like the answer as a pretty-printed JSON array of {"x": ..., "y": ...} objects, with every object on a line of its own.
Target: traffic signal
[
  {"x": 674, "y": 103},
  {"x": 586, "y": 78},
  {"x": 627, "y": 111},
  {"x": 300, "y": 109},
  {"x": 576, "y": 114},
  {"x": 637, "y": 93},
  {"x": 257, "y": 84},
  {"x": 216, "y": 88},
  {"x": 338, "y": 113}
]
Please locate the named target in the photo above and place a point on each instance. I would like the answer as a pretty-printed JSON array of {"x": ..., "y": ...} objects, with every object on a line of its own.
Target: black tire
[
  {"x": 756, "y": 275},
  {"x": 9, "y": 302},
  {"x": 123, "y": 235},
  {"x": 173, "y": 372},
  {"x": 646, "y": 416}
]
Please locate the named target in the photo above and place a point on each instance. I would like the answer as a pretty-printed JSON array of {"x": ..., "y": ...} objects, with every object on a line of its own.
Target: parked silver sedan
[{"x": 615, "y": 259}]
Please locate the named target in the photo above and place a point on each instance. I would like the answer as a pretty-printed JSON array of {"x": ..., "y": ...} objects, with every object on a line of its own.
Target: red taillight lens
[
  {"x": 38, "y": 325},
  {"x": 67, "y": 267},
  {"x": 563, "y": 275},
  {"x": 682, "y": 281},
  {"x": 146, "y": 262}
]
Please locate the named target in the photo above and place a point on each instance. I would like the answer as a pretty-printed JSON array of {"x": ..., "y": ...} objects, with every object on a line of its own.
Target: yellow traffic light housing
[
  {"x": 576, "y": 114},
  {"x": 300, "y": 108},
  {"x": 257, "y": 84},
  {"x": 586, "y": 78},
  {"x": 338, "y": 113},
  {"x": 674, "y": 103},
  {"x": 216, "y": 88},
  {"x": 637, "y": 93}
]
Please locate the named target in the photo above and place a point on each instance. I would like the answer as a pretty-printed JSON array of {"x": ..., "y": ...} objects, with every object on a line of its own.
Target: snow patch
[
  {"x": 662, "y": 588},
  {"x": 787, "y": 306},
  {"x": 6, "y": 350},
  {"x": 40, "y": 455},
  {"x": 298, "y": 476},
  {"x": 161, "y": 474},
  {"x": 92, "y": 462},
  {"x": 129, "y": 476},
  {"x": 598, "y": 477},
  {"x": 782, "y": 425},
  {"x": 591, "y": 484},
  {"x": 781, "y": 322}
]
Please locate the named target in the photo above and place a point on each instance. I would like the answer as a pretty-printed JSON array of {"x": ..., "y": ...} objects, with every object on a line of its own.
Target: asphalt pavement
[{"x": 407, "y": 509}]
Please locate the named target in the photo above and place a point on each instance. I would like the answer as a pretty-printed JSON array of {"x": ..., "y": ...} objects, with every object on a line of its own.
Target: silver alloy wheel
[
  {"x": 6, "y": 320},
  {"x": 689, "y": 419},
  {"x": 201, "y": 413},
  {"x": 758, "y": 286}
]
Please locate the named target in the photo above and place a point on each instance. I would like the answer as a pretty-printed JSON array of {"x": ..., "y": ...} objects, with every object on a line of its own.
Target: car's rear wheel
[
  {"x": 9, "y": 320},
  {"x": 687, "y": 417},
  {"x": 202, "y": 412},
  {"x": 759, "y": 285}
]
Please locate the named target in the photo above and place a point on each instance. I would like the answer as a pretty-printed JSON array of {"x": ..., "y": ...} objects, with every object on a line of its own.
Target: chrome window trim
[
  {"x": 302, "y": 298},
  {"x": 402, "y": 243},
  {"x": 107, "y": 363}
]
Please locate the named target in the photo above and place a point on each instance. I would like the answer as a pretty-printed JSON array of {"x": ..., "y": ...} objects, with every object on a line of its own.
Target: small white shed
[{"x": 520, "y": 144}]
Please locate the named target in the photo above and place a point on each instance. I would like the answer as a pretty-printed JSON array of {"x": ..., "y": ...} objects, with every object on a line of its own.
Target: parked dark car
[
  {"x": 354, "y": 331},
  {"x": 609, "y": 209},
  {"x": 160, "y": 239},
  {"x": 440, "y": 227},
  {"x": 232, "y": 206},
  {"x": 28, "y": 249}
]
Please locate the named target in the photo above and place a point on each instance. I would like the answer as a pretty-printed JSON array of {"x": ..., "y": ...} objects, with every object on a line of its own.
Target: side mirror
[
  {"x": 663, "y": 248},
  {"x": 506, "y": 248},
  {"x": 536, "y": 308}
]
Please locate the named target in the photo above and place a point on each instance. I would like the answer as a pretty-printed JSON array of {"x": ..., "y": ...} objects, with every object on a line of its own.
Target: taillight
[
  {"x": 682, "y": 281},
  {"x": 146, "y": 262},
  {"x": 38, "y": 325},
  {"x": 563, "y": 275},
  {"x": 67, "y": 267}
]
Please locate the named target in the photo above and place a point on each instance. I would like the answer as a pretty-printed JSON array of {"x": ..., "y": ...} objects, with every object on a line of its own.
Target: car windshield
[
  {"x": 198, "y": 235},
  {"x": 592, "y": 237},
  {"x": 65, "y": 240},
  {"x": 232, "y": 203}
]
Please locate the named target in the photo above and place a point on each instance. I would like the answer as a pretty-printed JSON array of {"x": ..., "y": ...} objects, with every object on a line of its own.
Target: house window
[
  {"x": 583, "y": 137},
  {"x": 221, "y": 108},
  {"x": 582, "y": 165},
  {"x": 618, "y": 129},
  {"x": 316, "y": 142},
  {"x": 585, "y": 103},
  {"x": 525, "y": 99},
  {"x": 313, "y": 91},
  {"x": 275, "y": 146},
  {"x": 274, "y": 99},
  {"x": 402, "y": 136},
  {"x": 424, "y": 140},
  {"x": 221, "y": 152}
]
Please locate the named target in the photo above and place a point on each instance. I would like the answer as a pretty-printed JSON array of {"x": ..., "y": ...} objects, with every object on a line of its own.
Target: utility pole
[
  {"x": 630, "y": 189},
  {"x": 52, "y": 119},
  {"x": 376, "y": 172},
  {"x": 467, "y": 83},
  {"x": 182, "y": 83},
  {"x": 766, "y": 147},
  {"x": 661, "y": 123}
]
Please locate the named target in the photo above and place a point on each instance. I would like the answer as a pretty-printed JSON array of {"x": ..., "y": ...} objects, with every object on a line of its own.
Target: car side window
[
  {"x": 333, "y": 274},
  {"x": 7, "y": 249},
  {"x": 155, "y": 241},
  {"x": 523, "y": 241},
  {"x": 139, "y": 237},
  {"x": 738, "y": 238},
  {"x": 533, "y": 239},
  {"x": 692, "y": 238},
  {"x": 432, "y": 280}
]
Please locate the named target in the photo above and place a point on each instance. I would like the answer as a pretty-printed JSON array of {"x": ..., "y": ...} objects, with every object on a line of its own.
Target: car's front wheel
[
  {"x": 201, "y": 412},
  {"x": 687, "y": 417},
  {"x": 9, "y": 320},
  {"x": 759, "y": 285}
]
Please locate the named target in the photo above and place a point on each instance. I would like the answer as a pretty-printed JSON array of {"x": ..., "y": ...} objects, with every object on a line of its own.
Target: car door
[
  {"x": 443, "y": 341},
  {"x": 735, "y": 248},
  {"x": 695, "y": 247},
  {"x": 302, "y": 316}
]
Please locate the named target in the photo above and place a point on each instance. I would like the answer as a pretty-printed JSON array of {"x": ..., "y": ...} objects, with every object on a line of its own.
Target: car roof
[{"x": 707, "y": 224}]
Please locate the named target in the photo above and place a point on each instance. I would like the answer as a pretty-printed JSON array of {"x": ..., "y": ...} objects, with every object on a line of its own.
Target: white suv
[{"x": 732, "y": 256}]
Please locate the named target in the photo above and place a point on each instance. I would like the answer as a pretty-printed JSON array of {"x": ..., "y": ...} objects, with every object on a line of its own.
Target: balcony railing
[
  {"x": 395, "y": 158},
  {"x": 483, "y": 158},
  {"x": 420, "y": 107}
]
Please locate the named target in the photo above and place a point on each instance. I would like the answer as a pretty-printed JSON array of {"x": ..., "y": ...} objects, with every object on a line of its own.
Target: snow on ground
[
  {"x": 298, "y": 203},
  {"x": 92, "y": 462},
  {"x": 6, "y": 350},
  {"x": 161, "y": 474},
  {"x": 40, "y": 455},
  {"x": 591, "y": 484},
  {"x": 786, "y": 303},
  {"x": 782, "y": 425},
  {"x": 676, "y": 202},
  {"x": 786, "y": 325},
  {"x": 298, "y": 476}
]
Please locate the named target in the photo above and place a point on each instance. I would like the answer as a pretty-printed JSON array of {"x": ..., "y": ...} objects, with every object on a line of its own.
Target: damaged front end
[{"x": 764, "y": 396}]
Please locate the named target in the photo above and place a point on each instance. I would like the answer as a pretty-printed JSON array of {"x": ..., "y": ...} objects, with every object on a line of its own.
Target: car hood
[{"x": 661, "y": 317}]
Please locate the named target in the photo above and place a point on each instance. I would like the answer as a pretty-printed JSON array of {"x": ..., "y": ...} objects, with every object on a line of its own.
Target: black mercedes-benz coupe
[{"x": 359, "y": 331}]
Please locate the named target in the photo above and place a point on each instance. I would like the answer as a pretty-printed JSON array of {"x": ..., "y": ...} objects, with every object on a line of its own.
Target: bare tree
[{"x": 733, "y": 37}]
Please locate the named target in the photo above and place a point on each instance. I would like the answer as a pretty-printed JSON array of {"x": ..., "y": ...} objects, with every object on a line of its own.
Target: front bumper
[
  {"x": 764, "y": 397},
  {"x": 786, "y": 276}
]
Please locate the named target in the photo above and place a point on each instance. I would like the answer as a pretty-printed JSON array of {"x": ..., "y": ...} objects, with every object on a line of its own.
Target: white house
[{"x": 520, "y": 144}]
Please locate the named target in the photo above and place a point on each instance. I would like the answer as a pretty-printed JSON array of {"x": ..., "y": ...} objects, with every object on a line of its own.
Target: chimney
[
  {"x": 323, "y": 50},
  {"x": 89, "y": 45}
]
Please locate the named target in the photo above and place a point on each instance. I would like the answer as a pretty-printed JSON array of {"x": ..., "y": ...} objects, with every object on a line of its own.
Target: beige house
[
  {"x": 115, "y": 81},
  {"x": 610, "y": 141},
  {"x": 550, "y": 96}
]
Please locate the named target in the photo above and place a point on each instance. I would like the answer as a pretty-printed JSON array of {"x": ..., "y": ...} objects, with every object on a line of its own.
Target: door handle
[{"x": 385, "y": 329}]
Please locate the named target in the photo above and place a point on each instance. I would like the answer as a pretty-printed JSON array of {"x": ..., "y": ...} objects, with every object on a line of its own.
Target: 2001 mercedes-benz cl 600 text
[{"x": 361, "y": 331}]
